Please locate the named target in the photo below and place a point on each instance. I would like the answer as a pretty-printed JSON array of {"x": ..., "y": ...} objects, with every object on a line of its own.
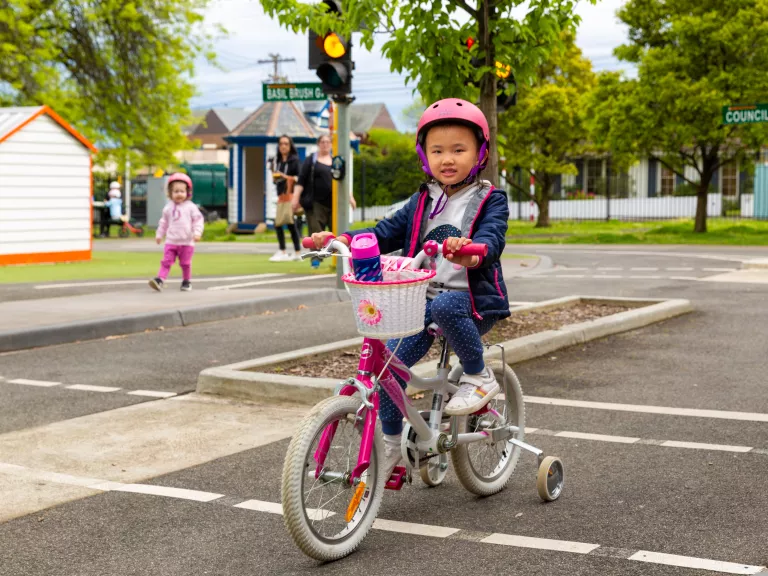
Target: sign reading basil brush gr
[
  {"x": 747, "y": 114},
  {"x": 293, "y": 92}
]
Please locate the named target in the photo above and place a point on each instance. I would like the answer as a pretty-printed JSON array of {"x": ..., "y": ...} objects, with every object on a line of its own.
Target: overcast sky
[{"x": 253, "y": 36}]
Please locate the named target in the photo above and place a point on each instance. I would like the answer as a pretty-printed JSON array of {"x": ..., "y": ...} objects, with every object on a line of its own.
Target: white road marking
[
  {"x": 606, "y": 276},
  {"x": 511, "y": 304},
  {"x": 644, "y": 441},
  {"x": 680, "y": 269},
  {"x": 703, "y": 446},
  {"x": 667, "y": 410},
  {"x": 599, "y": 437},
  {"x": 644, "y": 269},
  {"x": 261, "y": 506},
  {"x": 169, "y": 492},
  {"x": 144, "y": 282},
  {"x": 686, "y": 278},
  {"x": 682, "y": 255},
  {"x": 540, "y": 543},
  {"x": 691, "y": 562},
  {"x": 572, "y": 268},
  {"x": 281, "y": 281},
  {"x": 610, "y": 268},
  {"x": 89, "y": 388},
  {"x": 646, "y": 277},
  {"x": 276, "y": 508},
  {"x": 380, "y": 523},
  {"x": 568, "y": 275},
  {"x": 413, "y": 528},
  {"x": 41, "y": 383},
  {"x": 719, "y": 269},
  {"x": 151, "y": 393}
]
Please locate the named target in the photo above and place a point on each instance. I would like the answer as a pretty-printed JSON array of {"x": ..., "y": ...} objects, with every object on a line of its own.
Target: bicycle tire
[
  {"x": 463, "y": 465},
  {"x": 296, "y": 471}
]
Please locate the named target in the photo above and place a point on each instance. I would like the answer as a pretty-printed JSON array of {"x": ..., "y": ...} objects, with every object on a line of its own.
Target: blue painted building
[{"x": 252, "y": 195}]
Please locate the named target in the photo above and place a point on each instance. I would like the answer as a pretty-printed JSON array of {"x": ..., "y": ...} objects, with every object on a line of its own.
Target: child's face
[
  {"x": 451, "y": 153},
  {"x": 178, "y": 192}
]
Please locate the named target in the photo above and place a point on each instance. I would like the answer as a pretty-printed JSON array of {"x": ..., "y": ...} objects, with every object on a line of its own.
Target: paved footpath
[{"x": 663, "y": 431}]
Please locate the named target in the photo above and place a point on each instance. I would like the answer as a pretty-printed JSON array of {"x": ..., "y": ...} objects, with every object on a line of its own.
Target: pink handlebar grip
[
  {"x": 468, "y": 250},
  {"x": 309, "y": 244}
]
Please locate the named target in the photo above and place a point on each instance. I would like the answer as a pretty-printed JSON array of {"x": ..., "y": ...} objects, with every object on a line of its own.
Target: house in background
[
  {"x": 364, "y": 117},
  {"x": 45, "y": 188},
  {"x": 214, "y": 126},
  {"x": 252, "y": 195}
]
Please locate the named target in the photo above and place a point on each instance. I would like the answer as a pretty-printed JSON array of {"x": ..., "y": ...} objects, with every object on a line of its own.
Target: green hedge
[{"x": 392, "y": 168}]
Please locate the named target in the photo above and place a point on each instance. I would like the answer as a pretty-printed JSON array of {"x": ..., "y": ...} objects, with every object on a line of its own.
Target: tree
[
  {"x": 119, "y": 70},
  {"x": 412, "y": 113},
  {"x": 547, "y": 127},
  {"x": 693, "y": 58},
  {"x": 392, "y": 171},
  {"x": 427, "y": 41}
]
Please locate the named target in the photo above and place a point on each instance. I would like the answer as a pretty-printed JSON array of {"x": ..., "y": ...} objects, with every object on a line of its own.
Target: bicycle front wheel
[
  {"x": 485, "y": 467},
  {"x": 326, "y": 516}
]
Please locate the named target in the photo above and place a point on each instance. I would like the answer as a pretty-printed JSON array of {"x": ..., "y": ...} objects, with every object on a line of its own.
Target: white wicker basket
[{"x": 393, "y": 308}]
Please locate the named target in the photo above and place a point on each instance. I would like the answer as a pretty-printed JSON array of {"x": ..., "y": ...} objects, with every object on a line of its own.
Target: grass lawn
[
  {"x": 106, "y": 265},
  {"x": 720, "y": 231}
]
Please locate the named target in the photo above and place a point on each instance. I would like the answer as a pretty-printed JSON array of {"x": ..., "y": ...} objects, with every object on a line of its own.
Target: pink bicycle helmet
[
  {"x": 461, "y": 112},
  {"x": 181, "y": 177}
]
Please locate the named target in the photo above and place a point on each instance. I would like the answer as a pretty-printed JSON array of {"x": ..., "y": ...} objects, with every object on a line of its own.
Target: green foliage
[
  {"x": 693, "y": 57},
  {"x": 118, "y": 70},
  {"x": 546, "y": 129},
  {"x": 426, "y": 40},
  {"x": 392, "y": 169}
]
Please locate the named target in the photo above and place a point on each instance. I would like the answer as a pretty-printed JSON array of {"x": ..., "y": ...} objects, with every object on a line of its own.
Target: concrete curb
[
  {"x": 131, "y": 324},
  {"x": 243, "y": 381}
]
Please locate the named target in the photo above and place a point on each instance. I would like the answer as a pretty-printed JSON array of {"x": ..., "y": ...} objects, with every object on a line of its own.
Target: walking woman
[
  {"x": 285, "y": 174},
  {"x": 314, "y": 189}
]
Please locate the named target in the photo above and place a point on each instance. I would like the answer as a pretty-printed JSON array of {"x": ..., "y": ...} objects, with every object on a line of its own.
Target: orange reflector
[
  {"x": 354, "y": 504},
  {"x": 333, "y": 46}
]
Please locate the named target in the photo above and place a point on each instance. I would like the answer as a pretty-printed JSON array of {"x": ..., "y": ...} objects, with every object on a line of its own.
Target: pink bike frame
[{"x": 373, "y": 357}]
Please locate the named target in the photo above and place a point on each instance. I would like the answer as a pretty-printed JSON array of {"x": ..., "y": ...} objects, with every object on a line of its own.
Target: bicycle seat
[{"x": 434, "y": 330}]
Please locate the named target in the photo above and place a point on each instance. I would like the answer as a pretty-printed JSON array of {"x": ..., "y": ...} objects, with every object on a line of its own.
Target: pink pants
[{"x": 183, "y": 253}]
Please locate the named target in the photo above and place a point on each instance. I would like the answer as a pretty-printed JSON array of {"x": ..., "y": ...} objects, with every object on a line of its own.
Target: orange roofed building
[{"x": 45, "y": 188}]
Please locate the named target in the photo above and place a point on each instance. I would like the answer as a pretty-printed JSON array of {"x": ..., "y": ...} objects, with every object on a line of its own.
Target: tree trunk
[
  {"x": 701, "y": 210},
  {"x": 542, "y": 201},
  {"x": 707, "y": 170},
  {"x": 488, "y": 89}
]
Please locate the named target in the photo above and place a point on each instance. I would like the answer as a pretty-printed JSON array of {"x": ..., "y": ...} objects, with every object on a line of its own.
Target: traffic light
[
  {"x": 331, "y": 56},
  {"x": 504, "y": 74}
]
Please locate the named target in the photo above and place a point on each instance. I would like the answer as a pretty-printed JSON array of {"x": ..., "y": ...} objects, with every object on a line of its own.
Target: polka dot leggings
[{"x": 452, "y": 311}]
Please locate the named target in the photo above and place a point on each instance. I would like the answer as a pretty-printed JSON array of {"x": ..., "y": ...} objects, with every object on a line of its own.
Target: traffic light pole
[{"x": 341, "y": 209}]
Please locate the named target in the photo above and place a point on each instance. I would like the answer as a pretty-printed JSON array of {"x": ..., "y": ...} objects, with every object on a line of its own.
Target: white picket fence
[{"x": 664, "y": 208}]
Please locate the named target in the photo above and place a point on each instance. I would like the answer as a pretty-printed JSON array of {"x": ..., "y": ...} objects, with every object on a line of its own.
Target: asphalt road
[{"x": 705, "y": 500}]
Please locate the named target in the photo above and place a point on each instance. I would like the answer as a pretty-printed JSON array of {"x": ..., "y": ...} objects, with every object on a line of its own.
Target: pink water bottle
[{"x": 366, "y": 258}]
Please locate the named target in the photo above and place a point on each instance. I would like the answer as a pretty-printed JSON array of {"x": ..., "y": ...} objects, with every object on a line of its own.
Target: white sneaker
[
  {"x": 279, "y": 256},
  {"x": 392, "y": 454},
  {"x": 293, "y": 257},
  {"x": 475, "y": 391}
]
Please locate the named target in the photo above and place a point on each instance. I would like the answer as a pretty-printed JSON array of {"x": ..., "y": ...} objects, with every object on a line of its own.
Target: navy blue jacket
[{"x": 485, "y": 221}]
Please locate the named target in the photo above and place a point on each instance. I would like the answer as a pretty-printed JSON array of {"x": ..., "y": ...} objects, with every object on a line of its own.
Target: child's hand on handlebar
[
  {"x": 453, "y": 244},
  {"x": 321, "y": 239}
]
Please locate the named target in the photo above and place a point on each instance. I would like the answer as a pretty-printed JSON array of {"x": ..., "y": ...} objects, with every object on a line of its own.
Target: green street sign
[
  {"x": 748, "y": 114},
  {"x": 290, "y": 92}
]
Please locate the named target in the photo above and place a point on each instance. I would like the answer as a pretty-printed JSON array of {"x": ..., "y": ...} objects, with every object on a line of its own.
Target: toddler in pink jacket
[{"x": 182, "y": 225}]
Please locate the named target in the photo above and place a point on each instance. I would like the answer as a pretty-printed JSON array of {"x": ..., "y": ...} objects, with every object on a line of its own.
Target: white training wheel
[{"x": 549, "y": 480}]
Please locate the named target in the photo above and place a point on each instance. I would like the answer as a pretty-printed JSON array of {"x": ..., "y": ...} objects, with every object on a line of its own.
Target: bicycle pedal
[{"x": 397, "y": 479}]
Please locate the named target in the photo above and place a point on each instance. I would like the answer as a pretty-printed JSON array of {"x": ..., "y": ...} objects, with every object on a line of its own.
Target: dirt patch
[{"x": 343, "y": 363}]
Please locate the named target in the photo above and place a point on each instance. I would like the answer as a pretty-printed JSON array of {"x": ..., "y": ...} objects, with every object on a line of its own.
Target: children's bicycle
[
  {"x": 129, "y": 227},
  {"x": 332, "y": 482}
]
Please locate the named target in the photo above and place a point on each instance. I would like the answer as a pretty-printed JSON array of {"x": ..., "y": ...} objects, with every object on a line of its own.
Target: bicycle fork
[{"x": 371, "y": 362}]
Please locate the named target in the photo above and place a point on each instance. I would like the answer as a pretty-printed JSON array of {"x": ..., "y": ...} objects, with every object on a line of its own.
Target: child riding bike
[{"x": 467, "y": 295}]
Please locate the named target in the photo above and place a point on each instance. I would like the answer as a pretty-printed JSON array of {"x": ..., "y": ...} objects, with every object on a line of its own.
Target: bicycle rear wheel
[
  {"x": 326, "y": 516},
  {"x": 485, "y": 467}
]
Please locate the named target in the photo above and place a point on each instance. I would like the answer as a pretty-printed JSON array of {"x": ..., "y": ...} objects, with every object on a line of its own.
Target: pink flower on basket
[{"x": 368, "y": 313}]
